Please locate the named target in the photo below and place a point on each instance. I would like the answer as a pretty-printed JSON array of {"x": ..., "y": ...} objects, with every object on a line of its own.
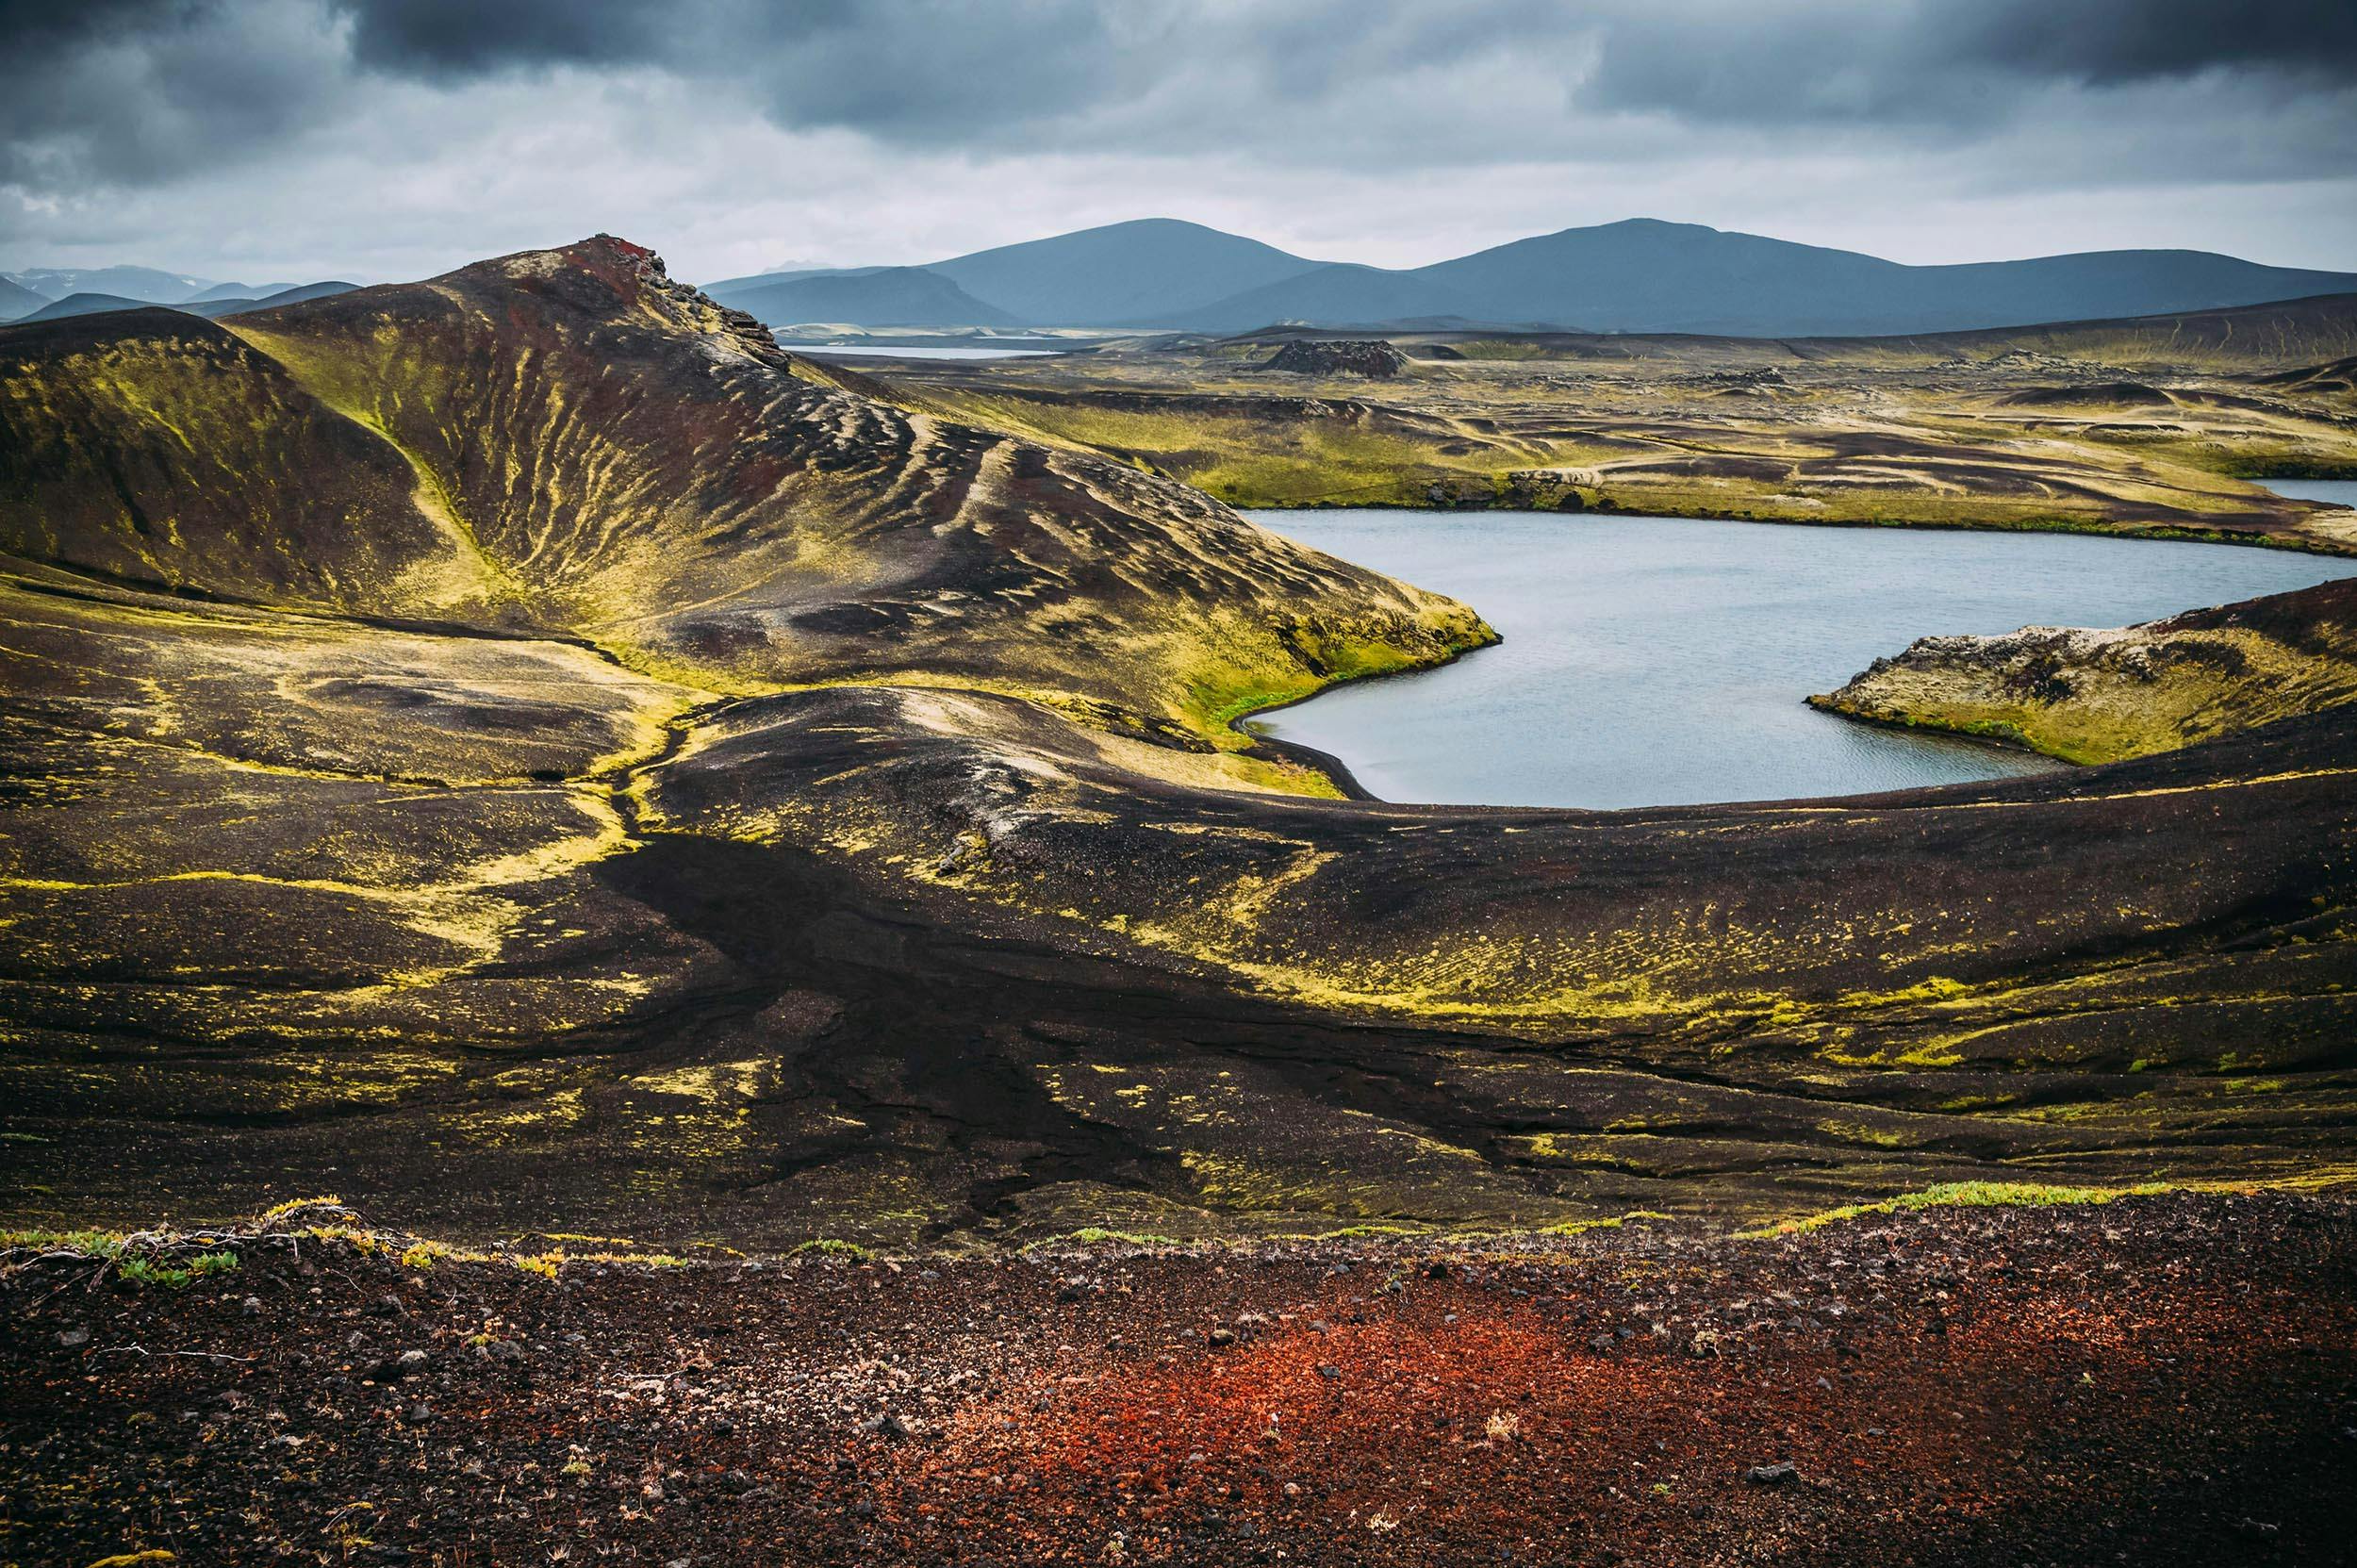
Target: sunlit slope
[
  {"x": 2150, "y": 426},
  {"x": 157, "y": 447},
  {"x": 646, "y": 470},
  {"x": 2101, "y": 694}
]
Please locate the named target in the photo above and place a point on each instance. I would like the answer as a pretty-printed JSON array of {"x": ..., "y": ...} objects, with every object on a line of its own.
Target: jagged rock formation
[
  {"x": 1369, "y": 357},
  {"x": 517, "y": 747},
  {"x": 2098, "y": 696}
]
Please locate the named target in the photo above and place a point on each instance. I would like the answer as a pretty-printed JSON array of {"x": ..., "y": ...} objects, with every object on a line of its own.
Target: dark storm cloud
[
  {"x": 1958, "y": 66},
  {"x": 917, "y": 71},
  {"x": 937, "y": 71},
  {"x": 407, "y": 130},
  {"x": 2120, "y": 40},
  {"x": 136, "y": 90},
  {"x": 133, "y": 91},
  {"x": 448, "y": 38}
]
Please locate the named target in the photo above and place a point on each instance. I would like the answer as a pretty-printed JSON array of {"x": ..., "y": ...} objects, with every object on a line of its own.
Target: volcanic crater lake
[{"x": 1660, "y": 661}]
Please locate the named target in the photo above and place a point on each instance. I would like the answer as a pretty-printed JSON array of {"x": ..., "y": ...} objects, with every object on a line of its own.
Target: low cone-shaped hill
[{"x": 569, "y": 442}]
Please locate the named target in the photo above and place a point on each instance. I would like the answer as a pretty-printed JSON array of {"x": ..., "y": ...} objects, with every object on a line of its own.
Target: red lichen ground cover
[{"x": 2166, "y": 1379}]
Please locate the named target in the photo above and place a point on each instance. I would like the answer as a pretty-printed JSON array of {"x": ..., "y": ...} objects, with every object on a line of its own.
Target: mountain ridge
[
  {"x": 16, "y": 300},
  {"x": 1633, "y": 275},
  {"x": 881, "y": 296},
  {"x": 92, "y": 304},
  {"x": 148, "y": 285}
]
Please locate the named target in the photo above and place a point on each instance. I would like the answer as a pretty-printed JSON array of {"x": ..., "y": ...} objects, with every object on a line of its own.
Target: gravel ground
[{"x": 2153, "y": 1381}]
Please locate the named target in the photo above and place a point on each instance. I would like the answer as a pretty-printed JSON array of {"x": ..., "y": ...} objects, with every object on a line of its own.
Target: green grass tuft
[
  {"x": 1090, "y": 1235},
  {"x": 91, "y": 1244},
  {"x": 828, "y": 1246},
  {"x": 1959, "y": 1195}
]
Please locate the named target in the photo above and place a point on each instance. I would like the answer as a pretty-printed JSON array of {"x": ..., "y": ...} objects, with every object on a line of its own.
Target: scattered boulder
[{"x": 890, "y": 1425}]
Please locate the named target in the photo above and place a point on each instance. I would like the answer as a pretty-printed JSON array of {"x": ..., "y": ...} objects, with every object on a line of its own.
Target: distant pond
[
  {"x": 930, "y": 351},
  {"x": 1656, "y": 661}
]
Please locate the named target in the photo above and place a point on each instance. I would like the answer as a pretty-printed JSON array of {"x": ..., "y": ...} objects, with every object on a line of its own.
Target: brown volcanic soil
[{"x": 2157, "y": 1381}]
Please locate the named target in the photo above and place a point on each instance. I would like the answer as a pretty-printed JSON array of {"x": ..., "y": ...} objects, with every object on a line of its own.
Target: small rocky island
[{"x": 2090, "y": 696}]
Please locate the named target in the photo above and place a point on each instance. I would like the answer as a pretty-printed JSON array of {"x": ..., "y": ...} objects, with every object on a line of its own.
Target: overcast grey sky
[{"x": 288, "y": 140}]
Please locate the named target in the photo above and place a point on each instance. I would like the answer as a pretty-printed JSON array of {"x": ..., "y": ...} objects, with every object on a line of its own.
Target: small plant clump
[
  {"x": 277, "y": 1212},
  {"x": 1092, "y": 1235},
  {"x": 143, "y": 1272},
  {"x": 829, "y": 1247},
  {"x": 89, "y": 1244},
  {"x": 1609, "y": 1222}
]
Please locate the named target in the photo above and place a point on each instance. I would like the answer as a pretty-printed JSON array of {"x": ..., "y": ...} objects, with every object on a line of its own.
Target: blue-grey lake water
[
  {"x": 1654, "y": 661},
  {"x": 2332, "y": 492}
]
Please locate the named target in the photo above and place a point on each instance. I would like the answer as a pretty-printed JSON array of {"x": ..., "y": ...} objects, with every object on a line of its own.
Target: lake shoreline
[
  {"x": 2158, "y": 534},
  {"x": 1326, "y": 762},
  {"x": 1625, "y": 639}
]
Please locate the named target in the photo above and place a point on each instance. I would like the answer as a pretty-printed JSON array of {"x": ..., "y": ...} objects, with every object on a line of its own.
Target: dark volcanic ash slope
[
  {"x": 511, "y": 747},
  {"x": 154, "y": 445}
]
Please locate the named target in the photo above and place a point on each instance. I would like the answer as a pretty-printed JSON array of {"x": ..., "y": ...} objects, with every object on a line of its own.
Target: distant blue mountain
[
  {"x": 1648, "y": 276},
  {"x": 239, "y": 291},
  {"x": 16, "y": 300},
  {"x": 870, "y": 296},
  {"x": 1641, "y": 275},
  {"x": 86, "y": 305},
  {"x": 1121, "y": 274},
  {"x": 1153, "y": 270},
  {"x": 144, "y": 284},
  {"x": 295, "y": 296},
  {"x": 91, "y": 304}
]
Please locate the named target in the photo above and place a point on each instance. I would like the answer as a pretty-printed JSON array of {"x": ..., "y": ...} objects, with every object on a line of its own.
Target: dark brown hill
[
  {"x": 157, "y": 447},
  {"x": 569, "y": 442}
]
